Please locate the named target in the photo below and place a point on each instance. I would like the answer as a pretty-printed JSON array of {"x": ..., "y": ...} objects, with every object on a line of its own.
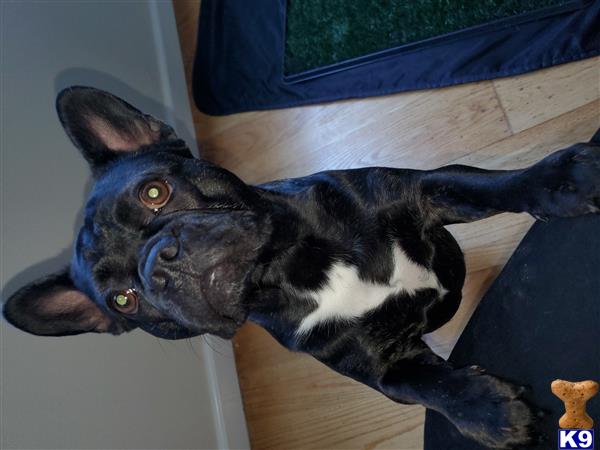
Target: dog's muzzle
[{"x": 194, "y": 270}]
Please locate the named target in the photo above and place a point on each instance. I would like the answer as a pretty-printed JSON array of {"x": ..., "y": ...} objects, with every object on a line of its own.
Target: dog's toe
[
  {"x": 567, "y": 183},
  {"x": 494, "y": 413}
]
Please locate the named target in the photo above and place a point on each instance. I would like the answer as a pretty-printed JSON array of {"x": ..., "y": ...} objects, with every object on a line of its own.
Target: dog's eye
[
  {"x": 155, "y": 194},
  {"x": 125, "y": 302}
]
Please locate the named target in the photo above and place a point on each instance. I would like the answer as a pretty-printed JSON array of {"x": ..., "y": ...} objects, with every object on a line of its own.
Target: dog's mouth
[
  {"x": 236, "y": 316},
  {"x": 196, "y": 275}
]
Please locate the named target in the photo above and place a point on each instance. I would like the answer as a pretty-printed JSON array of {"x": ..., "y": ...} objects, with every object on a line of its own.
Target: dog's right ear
[
  {"x": 104, "y": 127},
  {"x": 53, "y": 306}
]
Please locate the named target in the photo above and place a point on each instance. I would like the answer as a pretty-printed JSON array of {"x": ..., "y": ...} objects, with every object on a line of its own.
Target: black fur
[{"x": 220, "y": 252}]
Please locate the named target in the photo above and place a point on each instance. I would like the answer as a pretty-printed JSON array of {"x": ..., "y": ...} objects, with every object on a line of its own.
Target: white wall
[{"x": 92, "y": 391}]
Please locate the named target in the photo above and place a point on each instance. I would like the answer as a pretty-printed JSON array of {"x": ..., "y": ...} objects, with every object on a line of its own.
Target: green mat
[{"x": 325, "y": 32}]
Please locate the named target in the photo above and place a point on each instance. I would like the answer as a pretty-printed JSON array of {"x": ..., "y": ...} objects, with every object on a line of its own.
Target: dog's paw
[
  {"x": 566, "y": 183},
  {"x": 493, "y": 413},
  {"x": 505, "y": 424}
]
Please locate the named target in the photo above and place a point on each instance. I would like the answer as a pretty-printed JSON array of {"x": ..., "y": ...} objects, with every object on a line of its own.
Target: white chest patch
[{"x": 346, "y": 296}]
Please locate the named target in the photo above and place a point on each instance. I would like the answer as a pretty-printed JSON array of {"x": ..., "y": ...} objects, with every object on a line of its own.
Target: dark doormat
[
  {"x": 539, "y": 321},
  {"x": 241, "y": 54}
]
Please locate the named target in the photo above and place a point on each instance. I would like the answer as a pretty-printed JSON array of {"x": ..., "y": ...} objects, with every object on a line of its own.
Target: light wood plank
[
  {"x": 533, "y": 144},
  {"x": 417, "y": 130},
  {"x": 543, "y": 95}
]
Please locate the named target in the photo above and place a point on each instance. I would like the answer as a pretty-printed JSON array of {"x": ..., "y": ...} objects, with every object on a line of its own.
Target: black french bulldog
[{"x": 351, "y": 266}]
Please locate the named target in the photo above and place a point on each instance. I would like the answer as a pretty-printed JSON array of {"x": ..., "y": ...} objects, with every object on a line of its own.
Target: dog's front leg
[
  {"x": 564, "y": 184},
  {"x": 481, "y": 406}
]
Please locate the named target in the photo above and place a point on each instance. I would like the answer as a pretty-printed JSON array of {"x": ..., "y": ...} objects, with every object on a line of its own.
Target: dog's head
[{"x": 168, "y": 241}]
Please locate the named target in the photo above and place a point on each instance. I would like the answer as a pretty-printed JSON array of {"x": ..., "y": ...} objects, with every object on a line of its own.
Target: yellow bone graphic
[{"x": 574, "y": 396}]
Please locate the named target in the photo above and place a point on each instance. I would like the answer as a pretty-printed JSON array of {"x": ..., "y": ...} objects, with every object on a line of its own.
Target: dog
[{"x": 350, "y": 266}]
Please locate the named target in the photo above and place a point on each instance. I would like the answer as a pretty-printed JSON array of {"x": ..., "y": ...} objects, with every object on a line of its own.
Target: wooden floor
[{"x": 293, "y": 402}]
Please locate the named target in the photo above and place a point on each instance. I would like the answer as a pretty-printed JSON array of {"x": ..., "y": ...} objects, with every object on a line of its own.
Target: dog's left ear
[{"x": 104, "y": 127}]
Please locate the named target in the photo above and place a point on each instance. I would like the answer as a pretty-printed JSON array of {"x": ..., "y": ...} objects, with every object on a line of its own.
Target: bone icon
[{"x": 574, "y": 396}]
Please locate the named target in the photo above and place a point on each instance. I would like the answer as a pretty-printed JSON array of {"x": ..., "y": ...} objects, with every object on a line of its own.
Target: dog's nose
[
  {"x": 170, "y": 251},
  {"x": 154, "y": 268}
]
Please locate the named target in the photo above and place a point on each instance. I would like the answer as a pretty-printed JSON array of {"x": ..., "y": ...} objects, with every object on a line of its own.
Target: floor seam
[{"x": 503, "y": 109}]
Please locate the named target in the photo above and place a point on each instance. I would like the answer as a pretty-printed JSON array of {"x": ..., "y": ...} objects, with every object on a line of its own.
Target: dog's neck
[{"x": 269, "y": 297}]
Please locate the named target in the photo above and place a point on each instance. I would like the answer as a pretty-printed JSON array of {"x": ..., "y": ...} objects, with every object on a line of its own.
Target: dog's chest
[{"x": 345, "y": 296}]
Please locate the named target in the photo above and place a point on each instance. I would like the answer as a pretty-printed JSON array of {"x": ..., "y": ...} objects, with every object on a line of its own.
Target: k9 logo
[{"x": 568, "y": 439}]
